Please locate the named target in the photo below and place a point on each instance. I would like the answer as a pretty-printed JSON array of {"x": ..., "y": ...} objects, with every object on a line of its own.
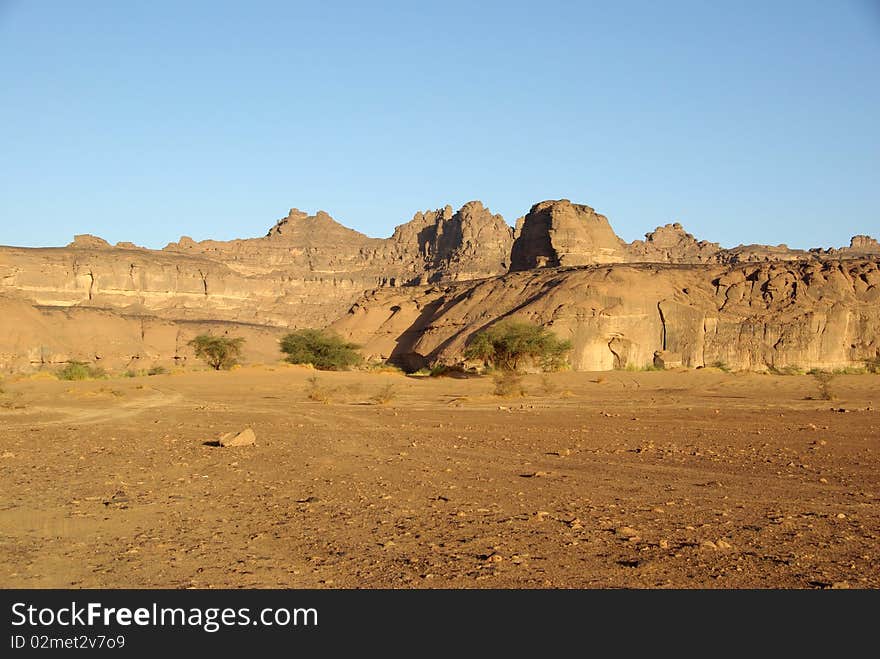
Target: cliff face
[
  {"x": 470, "y": 244},
  {"x": 559, "y": 233},
  {"x": 823, "y": 315},
  {"x": 304, "y": 273},
  {"x": 756, "y": 305}
]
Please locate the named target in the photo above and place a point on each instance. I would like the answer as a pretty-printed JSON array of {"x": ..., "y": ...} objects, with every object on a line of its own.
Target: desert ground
[{"x": 590, "y": 480}]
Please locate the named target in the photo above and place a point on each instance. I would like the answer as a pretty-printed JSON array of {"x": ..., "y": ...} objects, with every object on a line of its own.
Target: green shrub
[
  {"x": 80, "y": 371},
  {"x": 446, "y": 370},
  {"x": 786, "y": 370},
  {"x": 219, "y": 352},
  {"x": 508, "y": 383},
  {"x": 873, "y": 365},
  {"x": 635, "y": 368},
  {"x": 158, "y": 370},
  {"x": 506, "y": 345},
  {"x": 324, "y": 350},
  {"x": 823, "y": 383}
]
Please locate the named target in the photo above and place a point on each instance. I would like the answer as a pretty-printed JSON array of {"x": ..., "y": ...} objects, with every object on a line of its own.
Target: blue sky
[{"x": 746, "y": 121}]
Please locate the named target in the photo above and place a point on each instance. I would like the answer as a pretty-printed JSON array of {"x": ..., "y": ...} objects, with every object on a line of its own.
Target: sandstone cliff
[
  {"x": 754, "y": 316},
  {"x": 437, "y": 279},
  {"x": 304, "y": 273},
  {"x": 559, "y": 233}
]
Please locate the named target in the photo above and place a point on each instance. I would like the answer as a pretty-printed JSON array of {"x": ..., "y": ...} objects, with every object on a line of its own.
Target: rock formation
[
  {"x": 560, "y": 233},
  {"x": 750, "y": 316},
  {"x": 672, "y": 244},
  {"x": 418, "y": 295}
]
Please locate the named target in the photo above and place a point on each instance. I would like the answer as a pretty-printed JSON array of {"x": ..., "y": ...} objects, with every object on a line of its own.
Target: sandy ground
[{"x": 691, "y": 479}]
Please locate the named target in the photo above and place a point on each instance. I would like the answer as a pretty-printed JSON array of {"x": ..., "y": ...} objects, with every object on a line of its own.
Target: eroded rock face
[
  {"x": 34, "y": 338},
  {"x": 863, "y": 245},
  {"x": 672, "y": 244},
  {"x": 749, "y": 306},
  {"x": 559, "y": 233},
  {"x": 469, "y": 244},
  {"x": 753, "y": 316}
]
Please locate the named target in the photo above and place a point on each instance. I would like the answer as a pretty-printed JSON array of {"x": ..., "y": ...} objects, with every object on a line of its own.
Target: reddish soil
[{"x": 685, "y": 479}]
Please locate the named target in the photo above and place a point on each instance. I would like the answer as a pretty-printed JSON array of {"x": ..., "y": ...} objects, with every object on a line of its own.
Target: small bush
[
  {"x": 385, "y": 395},
  {"x": 447, "y": 371},
  {"x": 508, "y": 384},
  {"x": 873, "y": 365},
  {"x": 823, "y": 383},
  {"x": 506, "y": 345},
  {"x": 131, "y": 374},
  {"x": 548, "y": 387},
  {"x": 316, "y": 392},
  {"x": 721, "y": 366},
  {"x": 323, "y": 350},
  {"x": 786, "y": 370},
  {"x": 635, "y": 368},
  {"x": 80, "y": 371},
  {"x": 158, "y": 370},
  {"x": 219, "y": 352},
  {"x": 384, "y": 367}
]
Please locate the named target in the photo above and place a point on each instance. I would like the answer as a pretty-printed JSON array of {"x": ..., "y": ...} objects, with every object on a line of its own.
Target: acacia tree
[
  {"x": 324, "y": 350},
  {"x": 219, "y": 352},
  {"x": 507, "y": 344}
]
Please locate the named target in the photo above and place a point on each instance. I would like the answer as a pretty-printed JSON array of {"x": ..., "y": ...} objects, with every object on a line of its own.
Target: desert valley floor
[{"x": 618, "y": 479}]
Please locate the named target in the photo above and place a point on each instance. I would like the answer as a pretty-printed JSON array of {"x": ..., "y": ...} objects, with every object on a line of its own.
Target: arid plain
[{"x": 691, "y": 478}]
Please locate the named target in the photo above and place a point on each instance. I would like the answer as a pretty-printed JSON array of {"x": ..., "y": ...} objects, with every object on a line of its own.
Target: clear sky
[{"x": 747, "y": 121}]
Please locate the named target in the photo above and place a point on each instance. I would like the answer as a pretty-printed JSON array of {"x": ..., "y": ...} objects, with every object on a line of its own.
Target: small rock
[
  {"x": 723, "y": 544},
  {"x": 626, "y": 532},
  {"x": 708, "y": 544},
  {"x": 245, "y": 438}
]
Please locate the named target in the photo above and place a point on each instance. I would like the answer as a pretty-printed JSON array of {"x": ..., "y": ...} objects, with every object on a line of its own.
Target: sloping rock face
[
  {"x": 754, "y": 316},
  {"x": 34, "y": 337},
  {"x": 560, "y": 233}
]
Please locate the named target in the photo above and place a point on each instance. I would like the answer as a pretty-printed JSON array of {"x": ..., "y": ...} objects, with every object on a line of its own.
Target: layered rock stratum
[{"x": 418, "y": 296}]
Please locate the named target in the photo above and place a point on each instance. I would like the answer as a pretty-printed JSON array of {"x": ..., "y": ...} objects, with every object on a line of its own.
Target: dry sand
[{"x": 690, "y": 479}]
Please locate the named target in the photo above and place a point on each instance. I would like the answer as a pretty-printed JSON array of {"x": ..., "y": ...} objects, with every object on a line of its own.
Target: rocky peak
[
  {"x": 864, "y": 243},
  {"x": 302, "y": 229},
  {"x": 87, "y": 240},
  {"x": 672, "y": 244},
  {"x": 560, "y": 233},
  {"x": 467, "y": 244},
  {"x": 285, "y": 224}
]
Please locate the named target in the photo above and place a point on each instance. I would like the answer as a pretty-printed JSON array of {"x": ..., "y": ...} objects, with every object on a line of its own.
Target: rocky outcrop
[
  {"x": 436, "y": 280},
  {"x": 752, "y": 316},
  {"x": 469, "y": 244},
  {"x": 33, "y": 337},
  {"x": 672, "y": 244},
  {"x": 560, "y": 233}
]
